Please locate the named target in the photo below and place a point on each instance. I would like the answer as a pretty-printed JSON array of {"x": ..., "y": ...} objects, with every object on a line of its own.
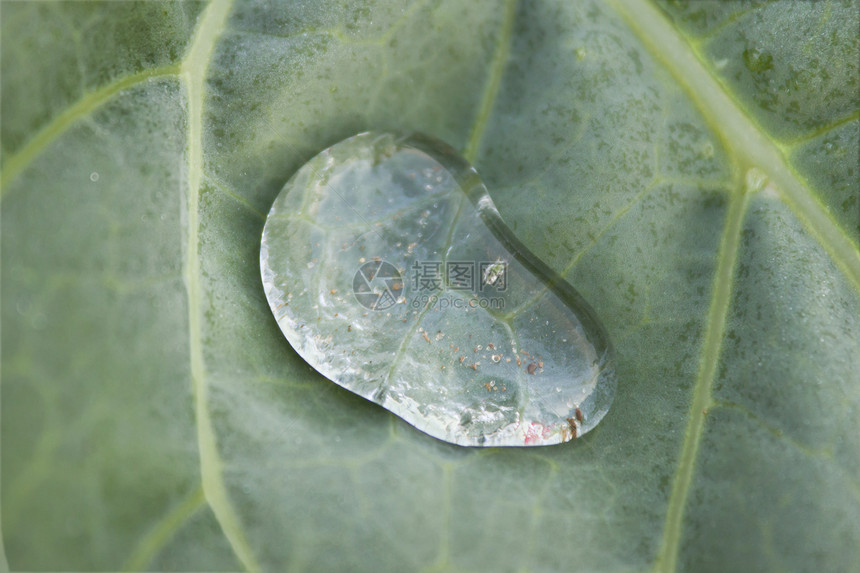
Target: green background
[{"x": 692, "y": 167}]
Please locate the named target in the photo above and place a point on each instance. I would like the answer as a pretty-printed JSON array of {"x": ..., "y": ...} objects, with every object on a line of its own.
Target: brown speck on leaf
[
  {"x": 578, "y": 415},
  {"x": 572, "y": 423},
  {"x": 427, "y": 338},
  {"x": 531, "y": 368}
]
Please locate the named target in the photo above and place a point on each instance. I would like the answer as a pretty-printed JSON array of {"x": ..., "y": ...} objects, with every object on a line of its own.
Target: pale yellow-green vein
[
  {"x": 739, "y": 133},
  {"x": 494, "y": 80},
  {"x": 721, "y": 295},
  {"x": 820, "y": 132},
  {"x": 443, "y": 559},
  {"x": 193, "y": 71},
  {"x": 158, "y": 536},
  {"x": 91, "y": 101}
]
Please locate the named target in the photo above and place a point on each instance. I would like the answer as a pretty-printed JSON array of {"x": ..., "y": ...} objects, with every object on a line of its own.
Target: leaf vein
[
  {"x": 738, "y": 131},
  {"x": 193, "y": 71},
  {"x": 89, "y": 102},
  {"x": 494, "y": 79},
  {"x": 711, "y": 347},
  {"x": 163, "y": 531}
]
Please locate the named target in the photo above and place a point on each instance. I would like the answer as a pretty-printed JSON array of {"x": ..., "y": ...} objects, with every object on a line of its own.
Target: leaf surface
[{"x": 691, "y": 167}]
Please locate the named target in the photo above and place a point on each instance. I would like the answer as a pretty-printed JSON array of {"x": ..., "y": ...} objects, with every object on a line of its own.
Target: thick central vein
[
  {"x": 753, "y": 149},
  {"x": 193, "y": 71},
  {"x": 738, "y": 132}
]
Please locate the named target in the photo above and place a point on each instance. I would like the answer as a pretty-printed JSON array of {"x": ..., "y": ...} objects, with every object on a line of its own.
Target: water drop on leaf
[{"x": 412, "y": 261}]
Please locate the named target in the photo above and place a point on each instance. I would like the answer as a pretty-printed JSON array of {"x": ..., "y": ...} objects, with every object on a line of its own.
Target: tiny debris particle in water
[
  {"x": 572, "y": 423},
  {"x": 473, "y": 366},
  {"x": 519, "y": 362},
  {"x": 491, "y": 346},
  {"x": 496, "y": 357},
  {"x": 578, "y": 415},
  {"x": 427, "y": 338},
  {"x": 531, "y": 368},
  {"x": 349, "y": 328},
  {"x": 462, "y": 358},
  {"x": 333, "y": 291}
]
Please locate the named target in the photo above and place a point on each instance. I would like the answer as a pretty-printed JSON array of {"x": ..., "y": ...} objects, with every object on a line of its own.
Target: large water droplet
[{"x": 390, "y": 271}]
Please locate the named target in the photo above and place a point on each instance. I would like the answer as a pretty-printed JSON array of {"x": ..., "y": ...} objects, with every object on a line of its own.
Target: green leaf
[{"x": 691, "y": 167}]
